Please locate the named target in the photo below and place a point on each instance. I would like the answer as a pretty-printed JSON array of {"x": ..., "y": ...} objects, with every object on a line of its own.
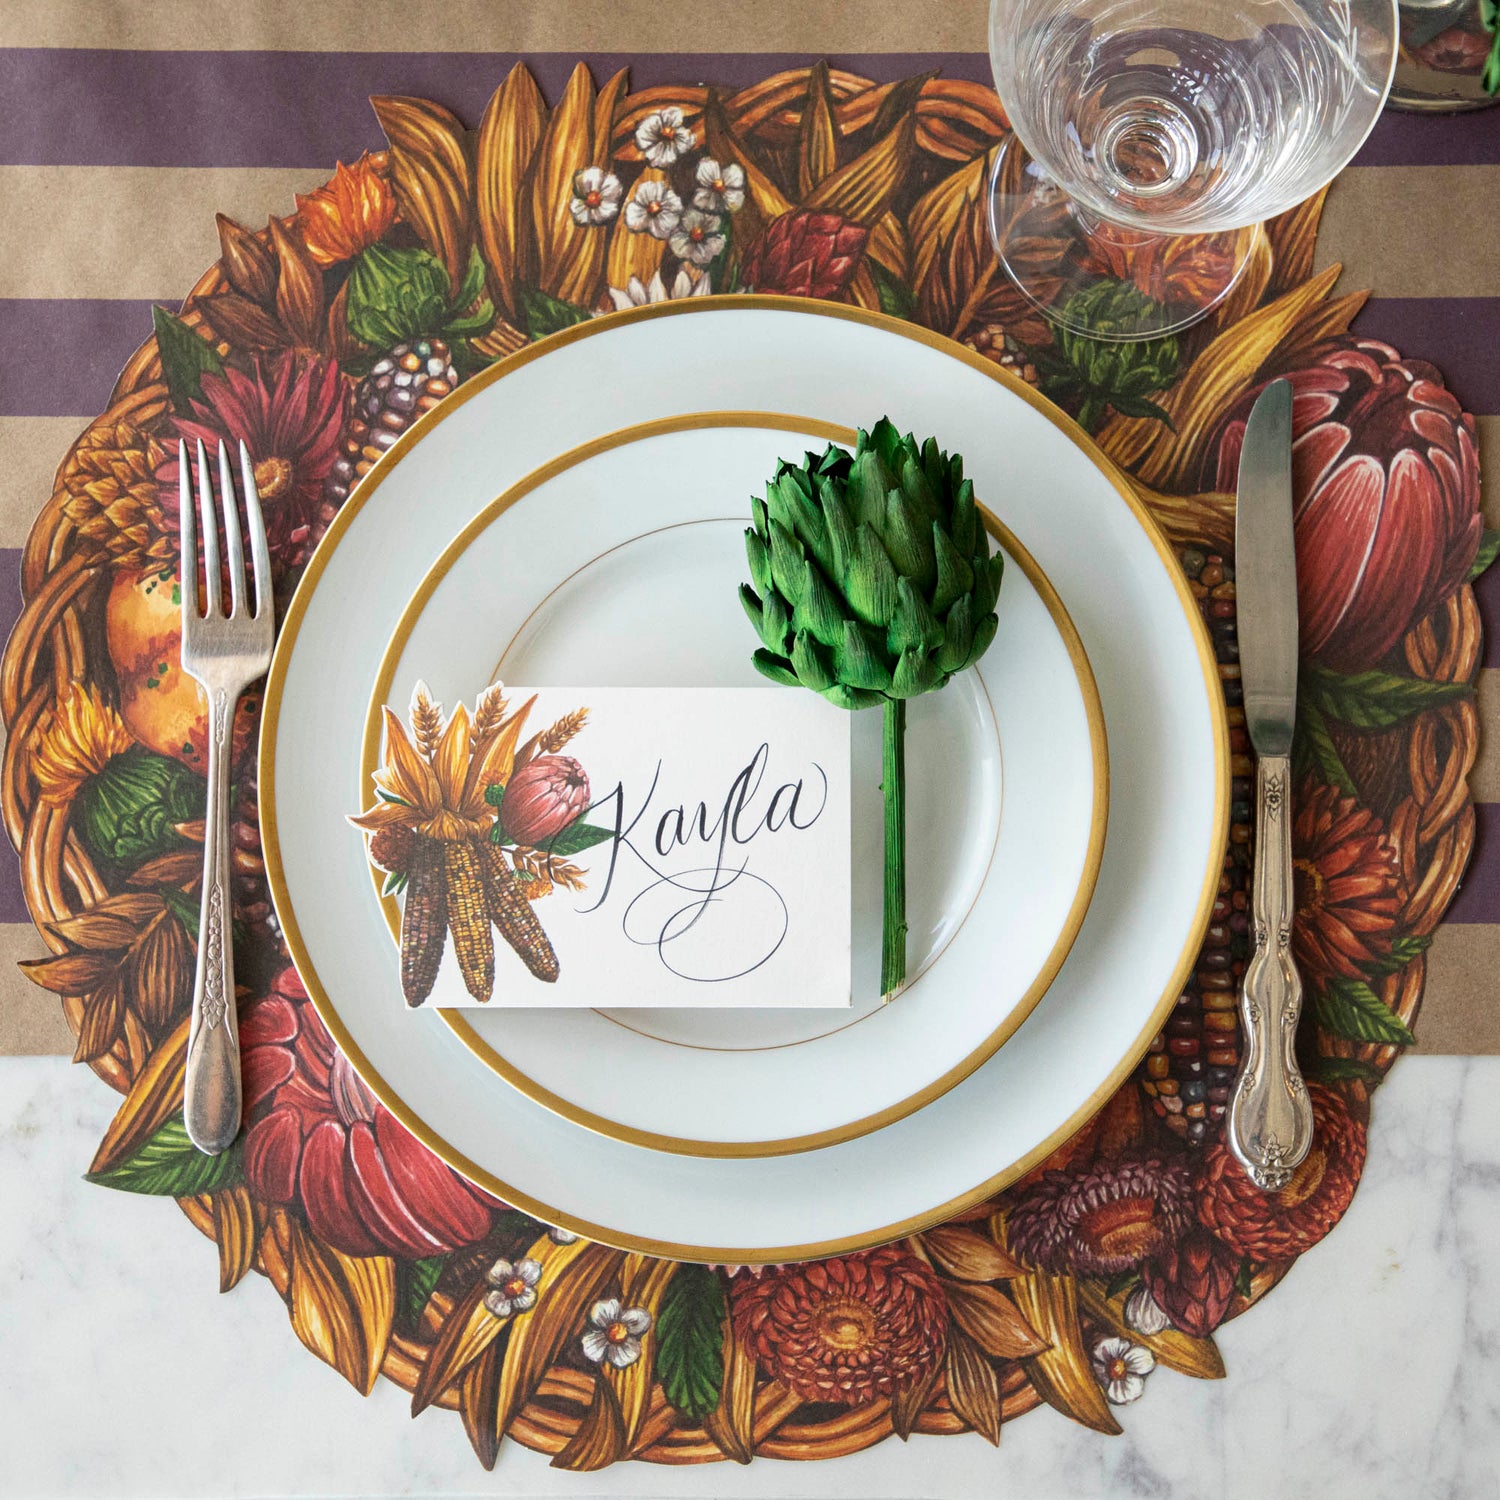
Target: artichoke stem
[{"x": 893, "y": 785}]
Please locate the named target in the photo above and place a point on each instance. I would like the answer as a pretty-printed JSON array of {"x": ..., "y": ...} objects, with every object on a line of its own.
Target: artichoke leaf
[
  {"x": 856, "y": 662},
  {"x": 760, "y": 561},
  {"x": 963, "y": 524},
  {"x": 811, "y": 663},
  {"x": 870, "y": 585},
  {"x": 916, "y": 673},
  {"x": 954, "y": 575},
  {"x": 818, "y": 610},
  {"x": 908, "y": 539},
  {"x": 776, "y": 668},
  {"x": 915, "y": 487},
  {"x": 843, "y": 696},
  {"x": 988, "y": 571},
  {"x": 869, "y": 483},
  {"x": 753, "y": 608},
  {"x": 776, "y": 623},
  {"x": 787, "y": 558},
  {"x": 958, "y": 638},
  {"x": 984, "y": 633},
  {"x": 913, "y": 626},
  {"x": 839, "y": 525}
]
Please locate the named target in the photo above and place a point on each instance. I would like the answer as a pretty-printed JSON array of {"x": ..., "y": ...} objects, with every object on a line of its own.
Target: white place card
[{"x": 684, "y": 847}]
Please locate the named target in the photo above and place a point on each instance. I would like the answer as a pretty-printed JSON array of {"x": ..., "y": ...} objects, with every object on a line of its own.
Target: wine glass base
[{"x": 1098, "y": 278}]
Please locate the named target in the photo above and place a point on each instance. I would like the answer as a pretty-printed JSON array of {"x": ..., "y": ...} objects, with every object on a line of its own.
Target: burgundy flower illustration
[
  {"x": 844, "y": 1331},
  {"x": 1346, "y": 885},
  {"x": 542, "y": 798},
  {"x": 318, "y": 1139},
  {"x": 1386, "y": 473},
  {"x": 1277, "y": 1226},
  {"x": 1192, "y": 1282},
  {"x": 1102, "y": 1219},
  {"x": 805, "y": 253},
  {"x": 288, "y": 415}
]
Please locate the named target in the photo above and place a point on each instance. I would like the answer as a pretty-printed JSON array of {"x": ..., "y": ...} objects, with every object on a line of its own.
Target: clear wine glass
[{"x": 1152, "y": 137}]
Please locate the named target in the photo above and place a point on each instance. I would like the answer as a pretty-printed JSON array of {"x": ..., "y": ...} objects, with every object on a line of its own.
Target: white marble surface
[{"x": 1373, "y": 1371}]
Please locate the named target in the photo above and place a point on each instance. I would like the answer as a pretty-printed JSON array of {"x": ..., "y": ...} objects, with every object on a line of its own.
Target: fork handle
[
  {"x": 211, "y": 1102},
  {"x": 1270, "y": 1115}
]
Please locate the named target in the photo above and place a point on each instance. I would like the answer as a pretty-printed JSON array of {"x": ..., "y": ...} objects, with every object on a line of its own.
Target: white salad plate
[
  {"x": 1141, "y": 635},
  {"x": 565, "y": 584}
]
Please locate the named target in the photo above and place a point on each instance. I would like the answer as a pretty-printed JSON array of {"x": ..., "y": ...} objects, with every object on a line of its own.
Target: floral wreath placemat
[{"x": 321, "y": 337}]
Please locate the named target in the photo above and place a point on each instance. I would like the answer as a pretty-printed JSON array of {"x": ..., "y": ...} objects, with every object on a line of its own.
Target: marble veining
[{"x": 1372, "y": 1372}]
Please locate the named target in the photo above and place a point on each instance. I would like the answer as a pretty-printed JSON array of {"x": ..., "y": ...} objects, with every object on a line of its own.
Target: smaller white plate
[{"x": 565, "y": 585}]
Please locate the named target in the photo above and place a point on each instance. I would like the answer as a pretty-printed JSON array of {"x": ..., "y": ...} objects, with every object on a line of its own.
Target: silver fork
[{"x": 226, "y": 653}]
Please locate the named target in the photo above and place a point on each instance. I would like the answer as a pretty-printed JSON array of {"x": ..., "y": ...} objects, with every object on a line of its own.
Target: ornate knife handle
[
  {"x": 1270, "y": 1114},
  {"x": 211, "y": 1096}
]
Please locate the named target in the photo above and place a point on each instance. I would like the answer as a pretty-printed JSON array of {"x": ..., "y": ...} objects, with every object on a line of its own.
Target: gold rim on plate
[
  {"x": 457, "y": 1020},
  {"x": 527, "y": 1202}
]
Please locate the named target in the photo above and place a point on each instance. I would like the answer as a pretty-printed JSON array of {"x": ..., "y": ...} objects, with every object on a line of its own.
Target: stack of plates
[{"x": 575, "y": 516}]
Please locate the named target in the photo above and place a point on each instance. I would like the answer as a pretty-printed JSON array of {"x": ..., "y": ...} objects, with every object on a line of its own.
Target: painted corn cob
[
  {"x": 468, "y": 916},
  {"x": 424, "y": 919},
  {"x": 512, "y": 913}
]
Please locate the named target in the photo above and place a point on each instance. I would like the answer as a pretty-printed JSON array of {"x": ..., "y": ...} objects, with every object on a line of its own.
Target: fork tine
[
  {"x": 232, "y": 545},
  {"x": 213, "y": 580},
  {"x": 187, "y": 574},
  {"x": 260, "y": 554}
]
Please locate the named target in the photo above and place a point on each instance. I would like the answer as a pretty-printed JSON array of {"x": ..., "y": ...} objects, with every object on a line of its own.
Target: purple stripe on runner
[
  {"x": 76, "y": 107},
  {"x": 1460, "y": 335},
  {"x": 64, "y": 355},
  {"x": 1478, "y": 898},
  {"x": 1487, "y": 596},
  {"x": 81, "y": 106},
  {"x": 12, "y": 902}
]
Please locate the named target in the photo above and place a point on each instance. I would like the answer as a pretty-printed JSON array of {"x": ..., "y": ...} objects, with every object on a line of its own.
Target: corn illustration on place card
[{"x": 615, "y": 847}]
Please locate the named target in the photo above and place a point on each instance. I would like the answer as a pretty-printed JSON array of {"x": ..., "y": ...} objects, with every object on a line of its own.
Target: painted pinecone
[
  {"x": 110, "y": 493},
  {"x": 873, "y": 574},
  {"x": 805, "y": 253},
  {"x": 405, "y": 382},
  {"x": 1189, "y": 1071}
]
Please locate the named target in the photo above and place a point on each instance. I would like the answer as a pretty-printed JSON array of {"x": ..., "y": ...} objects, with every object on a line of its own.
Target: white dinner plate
[
  {"x": 1139, "y": 625},
  {"x": 1007, "y": 794}
]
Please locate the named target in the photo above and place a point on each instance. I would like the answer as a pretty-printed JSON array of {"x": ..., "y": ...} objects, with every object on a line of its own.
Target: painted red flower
[
  {"x": 543, "y": 797},
  {"x": 1178, "y": 269},
  {"x": 1386, "y": 474},
  {"x": 845, "y": 1331},
  {"x": 805, "y": 253},
  {"x": 289, "y": 416},
  {"x": 1193, "y": 1282},
  {"x": 1346, "y": 881},
  {"x": 319, "y": 1140},
  {"x": 1102, "y": 1219},
  {"x": 1275, "y": 1226}
]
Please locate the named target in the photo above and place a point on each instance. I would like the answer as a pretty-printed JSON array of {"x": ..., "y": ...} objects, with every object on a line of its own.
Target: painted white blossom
[
  {"x": 720, "y": 190},
  {"x": 697, "y": 238},
  {"x": 561, "y": 1236},
  {"x": 596, "y": 196},
  {"x": 653, "y": 209},
  {"x": 616, "y": 1333},
  {"x": 1121, "y": 1368},
  {"x": 662, "y": 137},
  {"x": 638, "y": 293},
  {"x": 513, "y": 1287}
]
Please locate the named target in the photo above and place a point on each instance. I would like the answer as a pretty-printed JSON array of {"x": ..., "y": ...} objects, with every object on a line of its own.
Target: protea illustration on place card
[
  {"x": 873, "y": 583},
  {"x": 461, "y": 810}
]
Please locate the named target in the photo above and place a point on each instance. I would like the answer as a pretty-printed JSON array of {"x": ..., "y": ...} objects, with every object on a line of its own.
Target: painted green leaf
[
  {"x": 421, "y": 1278},
  {"x": 1122, "y": 1281},
  {"x": 185, "y": 359},
  {"x": 1403, "y": 951},
  {"x": 169, "y": 1165},
  {"x": 1377, "y": 699},
  {"x": 577, "y": 837},
  {"x": 689, "y": 1341},
  {"x": 1489, "y": 545},
  {"x": 1313, "y": 750},
  {"x": 545, "y": 314},
  {"x": 1345, "y": 1069},
  {"x": 896, "y": 299},
  {"x": 183, "y": 907},
  {"x": 395, "y": 883},
  {"x": 127, "y": 812},
  {"x": 1242, "y": 1278},
  {"x": 1351, "y": 1009}
]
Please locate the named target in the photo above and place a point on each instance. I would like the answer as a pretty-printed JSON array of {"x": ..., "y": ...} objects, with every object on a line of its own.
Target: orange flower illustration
[
  {"x": 349, "y": 213},
  {"x": 1184, "y": 269}
]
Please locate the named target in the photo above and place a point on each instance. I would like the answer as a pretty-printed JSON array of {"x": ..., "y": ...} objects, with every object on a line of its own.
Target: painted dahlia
[
  {"x": 1103, "y": 1219},
  {"x": 844, "y": 1331},
  {"x": 1277, "y": 1226},
  {"x": 318, "y": 1139},
  {"x": 1345, "y": 877},
  {"x": 289, "y": 416}
]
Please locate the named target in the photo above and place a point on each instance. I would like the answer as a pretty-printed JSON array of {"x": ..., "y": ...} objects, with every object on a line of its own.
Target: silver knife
[{"x": 1270, "y": 1116}]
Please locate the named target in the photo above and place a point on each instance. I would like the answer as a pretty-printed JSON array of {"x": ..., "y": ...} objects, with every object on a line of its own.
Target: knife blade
[
  {"x": 1270, "y": 1120},
  {"x": 1265, "y": 573}
]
